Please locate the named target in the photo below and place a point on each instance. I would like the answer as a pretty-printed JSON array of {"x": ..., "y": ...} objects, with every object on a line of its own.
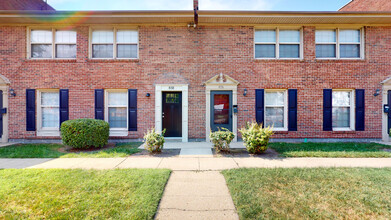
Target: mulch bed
[
  {"x": 241, "y": 152},
  {"x": 164, "y": 153}
]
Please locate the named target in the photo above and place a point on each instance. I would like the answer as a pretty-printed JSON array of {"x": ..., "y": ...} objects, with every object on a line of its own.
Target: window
[
  {"x": 276, "y": 43},
  {"x": 48, "y": 112},
  {"x": 276, "y": 109},
  {"x": 51, "y": 43},
  {"x": 343, "y": 111},
  {"x": 114, "y": 43},
  {"x": 338, "y": 44},
  {"x": 117, "y": 111}
]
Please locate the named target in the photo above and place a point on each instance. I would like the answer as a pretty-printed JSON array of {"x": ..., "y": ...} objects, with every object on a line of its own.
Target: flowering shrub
[
  {"x": 154, "y": 141},
  {"x": 255, "y": 137},
  {"x": 221, "y": 139}
]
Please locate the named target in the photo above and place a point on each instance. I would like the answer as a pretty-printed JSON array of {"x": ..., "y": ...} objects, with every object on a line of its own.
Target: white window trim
[
  {"x": 114, "y": 29},
  {"x": 29, "y": 43},
  {"x": 277, "y": 44},
  {"x": 117, "y": 132},
  {"x": 338, "y": 44},
  {"x": 352, "y": 110},
  {"x": 285, "y": 128},
  {"x": 45, "y": 131}
]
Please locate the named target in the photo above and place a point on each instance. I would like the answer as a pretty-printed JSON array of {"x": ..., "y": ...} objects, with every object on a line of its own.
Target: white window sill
[
  {"x": 52, "y": 58},
  {"x": 48, "y": 133},
  {"x": 114, "y": 58},
  {"x": 118, "y": 133},
  {"x": 280, "y": 129},
  {"x": 339, "y": 58},
  {"x": 343, "y": 129},
  {"x": 278, "y": 59}
]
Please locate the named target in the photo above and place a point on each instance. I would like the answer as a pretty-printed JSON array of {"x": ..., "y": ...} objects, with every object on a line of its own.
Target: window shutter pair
[
  {"x": 328, "y": 107},
  {"x": 30, "y": 108},
  {"x": 292, "y": 107},
  {"x": 132, "y": 107}
]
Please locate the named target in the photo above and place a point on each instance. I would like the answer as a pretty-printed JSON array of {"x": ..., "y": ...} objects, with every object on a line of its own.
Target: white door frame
[
  {"x": 4, "y": 86},
  {"x": 221, "y": 82},
  {"x": 386, "y": 85},
  {"x": 159, "y": 89}
]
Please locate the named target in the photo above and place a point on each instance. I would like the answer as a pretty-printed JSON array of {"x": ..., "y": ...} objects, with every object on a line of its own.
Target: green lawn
[
  {"x": 321, "y": 193},
  {"x": 52, "y": 151},
  {"x": 338, "y": 149},
  {"x": 81, "y": 194}
]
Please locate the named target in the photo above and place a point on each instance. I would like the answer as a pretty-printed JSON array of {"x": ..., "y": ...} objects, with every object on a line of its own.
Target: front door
[
  {"x": 172, "y": 114},
  {"x": 221, "y": 110}
]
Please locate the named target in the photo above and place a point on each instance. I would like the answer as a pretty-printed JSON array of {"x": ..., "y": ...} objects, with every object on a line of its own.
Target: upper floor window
[
  {"x": 277, "y": 43},
  {"x": 51, "y": 43},
  {"x": 338, "y": 43},
  {"x": 114, "y": 43}
]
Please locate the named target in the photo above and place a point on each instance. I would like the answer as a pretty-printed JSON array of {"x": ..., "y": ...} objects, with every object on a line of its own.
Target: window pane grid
[
  {"x": 341, "y": 109},
  {"x": 123, "y": 45},
  {"x": 347, "y": 44},
  {"x": 50, "y": 115},
  {"x": 49, "y": 44},
  {"x": 277, "y": 44},
  {"x": 117, "y": 110},
  {"x": 275, "y": 109}
]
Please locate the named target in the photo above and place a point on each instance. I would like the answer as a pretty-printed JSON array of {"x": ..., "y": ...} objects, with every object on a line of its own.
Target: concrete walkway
[
  {"x": 193, "y": 163},
  {"x": 20, "y": 163},
  {"x": 196, "y": 195}
]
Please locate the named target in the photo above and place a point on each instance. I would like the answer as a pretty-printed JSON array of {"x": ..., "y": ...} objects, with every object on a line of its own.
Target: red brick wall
[
  {"x": 367, "y": 5},
  {"x": 194, "y": 56}
]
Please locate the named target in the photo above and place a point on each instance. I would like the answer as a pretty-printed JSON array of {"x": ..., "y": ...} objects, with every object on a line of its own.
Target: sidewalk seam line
[
  {"x": 161, "y": 159},
  {"x": 120, "y": 162}
]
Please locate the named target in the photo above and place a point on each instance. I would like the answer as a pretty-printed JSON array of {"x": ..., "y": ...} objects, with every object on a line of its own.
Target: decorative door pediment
[{"x": 221, "y": 79}]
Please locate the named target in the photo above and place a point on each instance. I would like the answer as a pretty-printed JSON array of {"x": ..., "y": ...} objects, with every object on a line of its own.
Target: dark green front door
[{"x": 221, "y": 110}]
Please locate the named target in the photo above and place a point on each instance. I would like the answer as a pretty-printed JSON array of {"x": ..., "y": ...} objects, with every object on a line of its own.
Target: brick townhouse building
[{"x": 311, "y": 75}]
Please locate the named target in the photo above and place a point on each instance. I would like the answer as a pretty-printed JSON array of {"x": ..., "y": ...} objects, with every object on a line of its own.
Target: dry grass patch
[{"x": 321, "y": 193}]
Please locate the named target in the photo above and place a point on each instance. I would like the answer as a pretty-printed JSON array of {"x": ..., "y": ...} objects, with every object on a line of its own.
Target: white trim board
[
  {"x": 184, "y": 88},
  {"x": 221, "y": 82}
]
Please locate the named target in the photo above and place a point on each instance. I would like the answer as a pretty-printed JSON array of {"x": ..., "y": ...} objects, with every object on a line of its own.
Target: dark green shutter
[
  {"x": 132, "y": 108},
  {"x": 30, "y": 110},
  {"x": 327, "y": 110}
]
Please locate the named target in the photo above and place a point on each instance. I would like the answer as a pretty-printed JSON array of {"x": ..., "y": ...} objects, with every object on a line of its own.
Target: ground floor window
[
  {"x": 117, "y": 111},
  {"x": 276, "y": 109},
  {"x": 48, "y": 113},
  {"x": 343, "y": 110}
]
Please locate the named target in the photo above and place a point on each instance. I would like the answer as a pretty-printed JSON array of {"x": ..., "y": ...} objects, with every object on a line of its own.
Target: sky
[{"x": 257, "y": 5}]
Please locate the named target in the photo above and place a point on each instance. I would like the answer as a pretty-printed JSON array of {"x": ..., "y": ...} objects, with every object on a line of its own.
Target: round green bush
[{"x": 85, "y": 133}]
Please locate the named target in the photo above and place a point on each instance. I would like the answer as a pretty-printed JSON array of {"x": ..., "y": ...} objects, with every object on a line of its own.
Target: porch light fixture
[
  {"x": 12, "y": 92},
  {"x": 148, "y": 95},
  {"x": 377, "y": 92},
  {"x": 245, "y": 92}
]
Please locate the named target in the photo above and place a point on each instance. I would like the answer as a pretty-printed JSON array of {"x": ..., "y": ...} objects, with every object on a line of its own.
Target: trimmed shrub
[
  {"x": 256, "y": 138},
  {"x": 154, "y": 141},
  {"x": 221, "y": 139},
  {"x": 85, "y": 133}
]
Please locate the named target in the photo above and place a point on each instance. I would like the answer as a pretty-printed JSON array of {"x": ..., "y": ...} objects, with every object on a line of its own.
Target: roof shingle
[{"x": 25, "y": 5}]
